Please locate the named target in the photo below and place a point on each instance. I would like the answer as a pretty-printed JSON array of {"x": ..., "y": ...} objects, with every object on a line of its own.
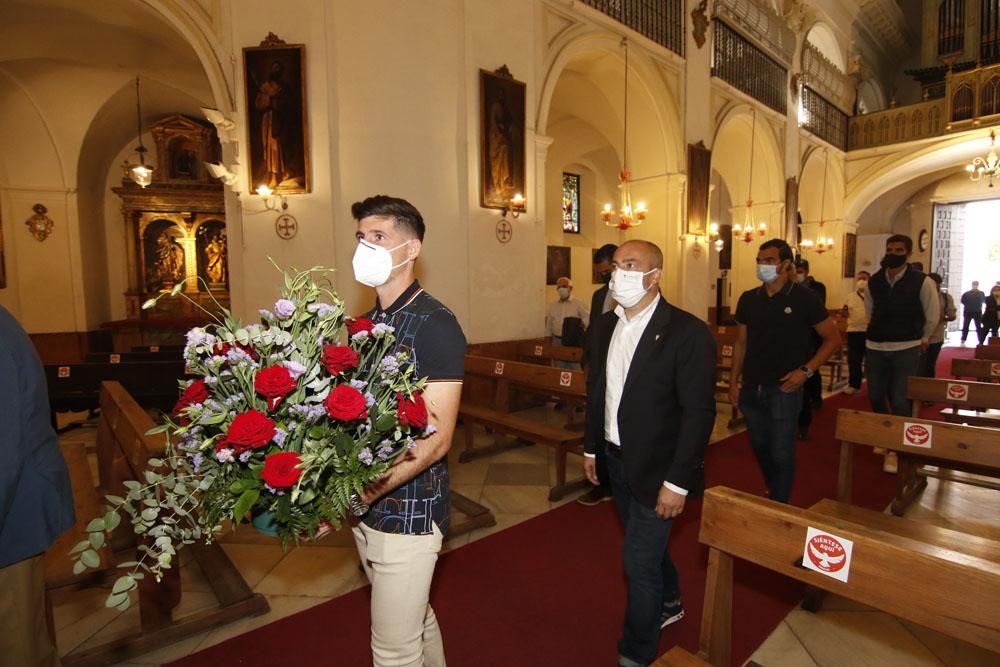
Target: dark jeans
[
  {"x": 855, "y": 357},
  {"x": 989, "y": 326},
  {"x": 887, "y": 373},
  {"x": 930, "y": 359},
  {"x": 771, "y": 416},
  {"x": 812, "y": 399},
  {"x": 652, "y": 577},
  {"x": 978, "y": 319}
]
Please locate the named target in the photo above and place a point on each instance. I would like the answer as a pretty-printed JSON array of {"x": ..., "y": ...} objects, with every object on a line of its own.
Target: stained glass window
[{"x": 571, "y": 203}]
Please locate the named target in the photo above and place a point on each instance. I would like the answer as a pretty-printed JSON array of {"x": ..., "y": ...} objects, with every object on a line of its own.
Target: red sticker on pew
[
  {"x": 115, "y": 358},
  {"x": 565, "y": 379},
  {"x": 995, "y": 370},
  {"x": 958, "y": 392},
  {"x": 64, "y": 371},
  {"x": 918, "y": 435},
  {"x": 827, "y": 554},
  {"x": 498, "y": 369},
  {"x": 727, "y": 350},
  {"x": 154, "y": 348},
  {"x": 538, "y": 350}
]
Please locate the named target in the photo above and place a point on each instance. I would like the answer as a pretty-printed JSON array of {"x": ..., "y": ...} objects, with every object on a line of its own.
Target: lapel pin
[
  {"x": 788, "y": 310},
  {"x": 657, "y": 337}
]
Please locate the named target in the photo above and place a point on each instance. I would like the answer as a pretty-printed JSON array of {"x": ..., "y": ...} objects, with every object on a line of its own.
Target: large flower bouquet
[{"x": 287, "y": 418}]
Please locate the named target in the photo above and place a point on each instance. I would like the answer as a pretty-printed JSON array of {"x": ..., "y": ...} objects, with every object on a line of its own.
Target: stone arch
[{"x": 822, "y": 37}]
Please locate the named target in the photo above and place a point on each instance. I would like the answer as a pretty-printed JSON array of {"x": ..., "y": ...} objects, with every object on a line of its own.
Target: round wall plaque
[
  {"x": 504, "y": 231},
  {"x": 286, "y": 226}
]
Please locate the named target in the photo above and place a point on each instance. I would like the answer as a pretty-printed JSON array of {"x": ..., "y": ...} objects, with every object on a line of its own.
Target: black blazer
[{"x": 667, "y": 410}]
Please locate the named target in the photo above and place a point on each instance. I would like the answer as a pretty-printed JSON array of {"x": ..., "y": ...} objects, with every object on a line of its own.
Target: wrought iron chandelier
[
  {"x": 988, "y": 166},
  {"x": 626, "y": 216},
  {"x": 141, "y": 173},
  {"x": 750, "y": 229},
  {"x": 822, "y": 243}
]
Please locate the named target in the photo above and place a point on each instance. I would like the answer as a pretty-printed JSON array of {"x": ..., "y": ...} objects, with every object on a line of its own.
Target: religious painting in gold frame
[
  {"x": 502, "y": 130},
  {"x": 557, "y": 263},
  {"x": 850, "y": 254},
  {"x": 699, "y": 172},
  {"x": 277, "y": 136}
]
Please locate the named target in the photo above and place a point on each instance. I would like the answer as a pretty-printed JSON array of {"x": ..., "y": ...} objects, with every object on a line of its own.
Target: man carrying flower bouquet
[{"x": 406, "y": 513}]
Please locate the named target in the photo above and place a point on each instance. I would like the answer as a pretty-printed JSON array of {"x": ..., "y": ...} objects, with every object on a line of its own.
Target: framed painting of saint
[
  {"x": 502, "y": 123},
  {"x": 274, "y": 74},
  {"x": 557, "y": 263}
]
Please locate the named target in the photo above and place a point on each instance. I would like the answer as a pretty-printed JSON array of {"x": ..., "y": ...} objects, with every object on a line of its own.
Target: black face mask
[
  {"x": 893, "y": 261},
  {"x": 605, "y": 277}
]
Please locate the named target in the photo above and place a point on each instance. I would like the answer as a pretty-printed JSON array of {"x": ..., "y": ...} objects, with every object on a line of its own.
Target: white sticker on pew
[
  {"x": 958, "y": 391},
  {"x": 115, "y": 358},
  {"x": 995, "y": 370},
  {"x": 565, "y": 379},
  {"x": 918, "y": 435},
  {"x": 64, "y": 371},
  {"x": 827, "y": 554},
  {"x": 721, "y": 330},
  {"x": 498, "y": 369},
  {"x": 538, "y": 350}
]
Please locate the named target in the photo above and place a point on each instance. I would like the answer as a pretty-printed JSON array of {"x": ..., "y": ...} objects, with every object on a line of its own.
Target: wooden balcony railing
[
  {"x": 971, "y": 98},
  {"x": 823, "y": 118},
  {"x": 746, "y": 67},
  {"x": 659, "y": 20}
]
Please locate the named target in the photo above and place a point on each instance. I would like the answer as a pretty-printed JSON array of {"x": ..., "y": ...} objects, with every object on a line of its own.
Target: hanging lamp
[
  {"x": 822, "y": 243},
  {"x": 626, "y": 216},
  {"x": 141, "y": 173},
  {"x": 750, "y": 229}
]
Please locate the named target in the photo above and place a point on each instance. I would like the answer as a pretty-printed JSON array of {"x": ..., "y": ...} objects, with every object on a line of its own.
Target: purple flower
[
  {"x": 369, "y": 399},
  {"x": 279, "y": 437},
  {"x": 266, "y": 314},
  {"x": 273, "y": 491},
  {"x": 245, "y": 456},
  {"x": 284, "y": 308},
  {"x": 365, "y": 456},
  {"x": 321, "y": 309},
  {"x": 225, "y": 455},
  {"x": 358, "y": 384},
  {"x": 196, "y": 337},
  {"x": 294, "y": 368},
  {"x": 197, "y": 460},
  {"x": 430, "y": 430},
  {"x": 410, "y": 443}
]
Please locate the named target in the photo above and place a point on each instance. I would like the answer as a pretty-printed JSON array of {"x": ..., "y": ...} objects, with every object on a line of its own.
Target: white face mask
[
  {"x": 563, "y": 292},
  {"x": 862, "y": 285},
  {"x": 373, "y": 263},
  {"x": 627, "y": 288}
]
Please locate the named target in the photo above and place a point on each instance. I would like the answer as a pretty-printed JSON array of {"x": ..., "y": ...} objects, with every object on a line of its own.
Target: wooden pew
[
  {"x": 569, "y": 384},
  {"x": 972, "y": 403},
  {"x": 123, "y": 451},
  {"x": 990, "y": 352},
  {"x": 935, "y": 577},
  {"x": 838, "y": 360},
  {"x": 678, "y": 657},
  {"x": 535, "y": 352},
  {"x": 130, "y": 357},
  {"x": 77, "y": 387},
  {"x": 979, "y": 369},
  {"x": 969, "y": 449}
]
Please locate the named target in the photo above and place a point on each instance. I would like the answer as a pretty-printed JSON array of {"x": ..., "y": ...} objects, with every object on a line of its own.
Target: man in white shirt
[
  {"x": 563, "y": 307},
  {"x": 857, "y": 324},
  {"x": 903, "y": 310},
  {"x": 651, "y": 406},
  {"x": 936, "y": 340}
]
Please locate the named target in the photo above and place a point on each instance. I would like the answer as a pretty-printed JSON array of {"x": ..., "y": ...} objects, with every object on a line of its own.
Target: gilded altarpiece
[{"x": 175, "y": 227}]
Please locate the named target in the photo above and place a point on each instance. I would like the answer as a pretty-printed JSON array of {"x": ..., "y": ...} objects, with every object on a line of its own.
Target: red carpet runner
[{"x": 550, "y": 591}]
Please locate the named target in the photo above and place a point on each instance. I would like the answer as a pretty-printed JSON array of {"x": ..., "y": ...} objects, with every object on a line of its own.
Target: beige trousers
[
  {"x": 405, "y": 632},
  {"x": 24, "y": 638}
]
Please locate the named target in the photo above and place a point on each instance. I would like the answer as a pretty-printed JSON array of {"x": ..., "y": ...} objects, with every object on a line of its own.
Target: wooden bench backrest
[
  {"x": 131, "y": 357},
  {"x": 981, "y": 369},
  {"x": 573, "y": 383},
  {"x": 143, "y": 377},
  {"x": 971, "y": 445},
  {"x": 547, "y": 351},
  {"x": 958, "y": 392},
  {"x": 889, "y": 572},
  {"x": 725, "y": 342},
  {"x": 123, "y": 448},
  {"x": 991, "y": 352}
]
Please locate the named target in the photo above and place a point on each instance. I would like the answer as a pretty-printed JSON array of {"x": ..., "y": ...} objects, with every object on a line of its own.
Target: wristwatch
[
  {"x": 357, "y": 507},
  {"x": 805, "y": 369}
]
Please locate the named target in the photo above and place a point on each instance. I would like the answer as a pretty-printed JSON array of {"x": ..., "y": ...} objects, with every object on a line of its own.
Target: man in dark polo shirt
[
  {"x": 775, "y": 357},
  {"x": 812, "y": 390},
  {"x": 406, "y": 513}
]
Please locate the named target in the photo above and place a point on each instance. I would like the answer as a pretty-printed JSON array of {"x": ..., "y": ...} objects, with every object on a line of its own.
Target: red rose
[
  {"x": 358, "y": 324},
  {"x": 196, "y": 392},
  {"x": 250, "y": 430},
  {"x": 281, "y": 470},
  {"x": 338, "y": 358},
  {"x": 346, "y": 404},
  {"x": 221, "y": 443},
  {"x": 274, "y": 384},
  {"x": 222, "y": 349},
  {"x": 412, "y": 411}
]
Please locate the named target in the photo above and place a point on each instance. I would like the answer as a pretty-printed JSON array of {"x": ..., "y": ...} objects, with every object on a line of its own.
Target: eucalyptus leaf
[
  {"x": 90, "y": 558},
  {"x": 115, "y": 599},
  {"x": 123, "y": 584},
  {"x": 78, "y": 567},
  {"x": 150, "y": 513},
  {"x": 95, "y": 525},
  {"x": 246, "y": 501},
  {"x": 97, "y": 540}
]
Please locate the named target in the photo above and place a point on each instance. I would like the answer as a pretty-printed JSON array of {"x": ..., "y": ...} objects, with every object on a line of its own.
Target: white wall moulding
[{"x": 761, "y": 24}]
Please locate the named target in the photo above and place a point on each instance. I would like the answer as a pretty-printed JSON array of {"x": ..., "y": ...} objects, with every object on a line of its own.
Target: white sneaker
[
  {"x": 850, "y": 390},
  {"x": 890, "y": 464}
]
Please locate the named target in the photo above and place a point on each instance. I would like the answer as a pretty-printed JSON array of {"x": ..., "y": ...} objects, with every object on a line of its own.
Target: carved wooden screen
[{"x": 951, "y": 27}]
